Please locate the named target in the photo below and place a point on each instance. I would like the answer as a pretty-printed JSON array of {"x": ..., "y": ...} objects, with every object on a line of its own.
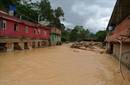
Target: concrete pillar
[
  {"x": 36, "y": 44},
  {"x": 39, "y": 43},
  {"x": 109, "y": 48},
  {"x": 27, "y": 45},
  {"x": 47, "y": 43},
  {"x": 10, "y": 47},
  {"x": 21, "y": 44},
  {"x": 33, "y": 44},
  {"x": 30, "y": 45}
]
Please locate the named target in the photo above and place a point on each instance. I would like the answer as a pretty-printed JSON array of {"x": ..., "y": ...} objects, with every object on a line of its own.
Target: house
[
  {"x": 55, "y": 37},
  {"x": 21, "y": 34},
  {"x": 118, "y": 37}
]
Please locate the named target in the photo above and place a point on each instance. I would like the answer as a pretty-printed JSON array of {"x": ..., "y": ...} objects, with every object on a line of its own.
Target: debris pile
[{"x": 87, "y": 45}]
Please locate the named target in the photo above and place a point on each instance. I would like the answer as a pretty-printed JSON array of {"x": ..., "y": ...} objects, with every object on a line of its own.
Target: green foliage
[
  {"x": 26, "y": 12},
  {"x": 66, "y": 35},
  {"x": 59, "y": 12},
  {"x": 78, "y": 33},
  {"x": 5, "y": 3},
  {"x": 32, "y": 10},
  {"x": 101, "y": 35},
  {"x": 92, "y": 35},
  {"x": 51, "y": 15},
  {"x": 45, "y": 10}
]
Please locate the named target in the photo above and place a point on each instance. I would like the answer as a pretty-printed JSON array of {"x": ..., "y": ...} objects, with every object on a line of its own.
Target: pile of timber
[{"x": 86, "y": 45}]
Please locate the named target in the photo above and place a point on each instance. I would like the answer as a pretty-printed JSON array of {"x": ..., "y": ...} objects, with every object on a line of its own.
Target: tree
[
  {"x": 51, "y": 15},
  {"x": 31, "y": 11},
  {"x": 46, "y": 11},
  {"x": 101, "y": 35},
  {"x": 4, "y": 4},
  {"x": 66, "y": 35},
  {"x": 27, "y": 12},
  {"x": 59, "y": 12},
  {"x": 78, "y": 33}
]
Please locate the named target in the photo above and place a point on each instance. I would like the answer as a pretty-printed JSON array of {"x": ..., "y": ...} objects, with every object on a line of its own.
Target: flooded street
[{"x": 59, "y": 65}]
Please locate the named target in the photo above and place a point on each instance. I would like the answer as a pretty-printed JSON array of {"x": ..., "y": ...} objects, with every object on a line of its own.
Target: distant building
[
  {"x": 119, "y": 31},
  {"x": 55, "y": 33},
  {"x": 55, "y": 37}
]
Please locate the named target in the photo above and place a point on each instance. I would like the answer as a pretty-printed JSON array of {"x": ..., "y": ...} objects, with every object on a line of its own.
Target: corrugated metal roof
[
  {"x": 13, "y": 18},
  {"x": 120, "y": 12}
]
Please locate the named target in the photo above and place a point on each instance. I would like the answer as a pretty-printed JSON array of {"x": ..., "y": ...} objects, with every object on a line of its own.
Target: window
[
  {"x": 26, "y": 30},
  {"x": 16, "y": 27},
  {"x": 3, "y": 24}
]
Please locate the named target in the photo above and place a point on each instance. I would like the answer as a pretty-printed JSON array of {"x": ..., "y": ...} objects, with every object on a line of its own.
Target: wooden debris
[{"x": 86, "y": 45}]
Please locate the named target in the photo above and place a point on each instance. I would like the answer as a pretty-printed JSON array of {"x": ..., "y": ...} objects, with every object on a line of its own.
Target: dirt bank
[{"x": 60, "y": 65}]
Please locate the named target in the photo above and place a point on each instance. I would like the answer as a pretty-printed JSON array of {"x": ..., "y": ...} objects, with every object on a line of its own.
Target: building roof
[
  {"x": 7, "y": 16},
  {"x": 121, "y": 32},
  {"x": 120, "y": 21},
  {"x": 13, "y": 18},
  {"x": 120, "y": 12}
]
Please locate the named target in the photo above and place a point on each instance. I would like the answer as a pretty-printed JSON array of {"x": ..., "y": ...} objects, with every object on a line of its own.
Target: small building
[
  {"x": 55, "y": 37},
  {"x": 20, "y": 34},
  {"x": 118, "y": 37}
]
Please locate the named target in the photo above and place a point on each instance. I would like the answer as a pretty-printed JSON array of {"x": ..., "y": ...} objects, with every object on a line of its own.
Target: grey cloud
[{"x": 93, "y": 14}]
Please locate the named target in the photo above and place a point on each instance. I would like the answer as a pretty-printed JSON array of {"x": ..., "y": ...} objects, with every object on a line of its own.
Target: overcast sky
[{"x": 92, "y": 14}]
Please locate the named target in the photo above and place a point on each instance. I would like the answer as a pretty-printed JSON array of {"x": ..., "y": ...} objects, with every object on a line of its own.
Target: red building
[{"x": 21, "y": 34}]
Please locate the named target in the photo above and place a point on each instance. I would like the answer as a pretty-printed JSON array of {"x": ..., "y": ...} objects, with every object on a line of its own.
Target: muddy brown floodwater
[{"x": 59, "y": 65}]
